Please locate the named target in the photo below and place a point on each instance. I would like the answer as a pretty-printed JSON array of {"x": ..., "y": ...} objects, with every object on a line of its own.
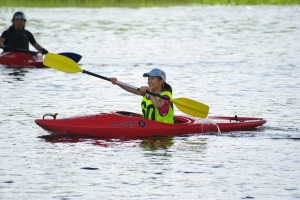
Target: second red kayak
[
  {"x": 20, "y": 59},
  {"x": 127, "y": 124}
]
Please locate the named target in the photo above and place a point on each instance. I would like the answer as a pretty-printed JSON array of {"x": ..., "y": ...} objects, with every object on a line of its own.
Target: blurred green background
[{"x": 137, "y": 3}]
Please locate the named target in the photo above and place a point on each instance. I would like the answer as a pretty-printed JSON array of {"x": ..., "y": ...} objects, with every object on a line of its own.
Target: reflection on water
[
  {"x": 63, "y": 138},
  {"x": 149, "y": 143},
  {"x": 193, "y": 144},
  {"x": 20, "y": 73},
  {"x": 146, "y": 143},
  {"x": 16, "y": 74},
  {"x": 156, "y": 143}
]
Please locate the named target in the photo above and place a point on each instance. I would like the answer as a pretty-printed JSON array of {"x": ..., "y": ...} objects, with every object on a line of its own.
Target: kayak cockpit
[{"x": 177, "y": 119}]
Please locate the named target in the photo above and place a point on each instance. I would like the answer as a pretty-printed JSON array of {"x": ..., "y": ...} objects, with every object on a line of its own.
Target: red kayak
[
  {"x": 20, "y": 59},
  {"x": 127, "y": 124}
]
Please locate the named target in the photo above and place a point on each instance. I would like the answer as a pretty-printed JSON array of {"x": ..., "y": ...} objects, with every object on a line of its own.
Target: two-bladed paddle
[
  {"x": 74, "y": 56},
  {"x": 185, "y": 105}
]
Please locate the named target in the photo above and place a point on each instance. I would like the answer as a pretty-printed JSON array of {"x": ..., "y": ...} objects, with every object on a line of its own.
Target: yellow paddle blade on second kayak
[
  {"x": 191, "y": 107},
  {"x": 61, "y": 63}
]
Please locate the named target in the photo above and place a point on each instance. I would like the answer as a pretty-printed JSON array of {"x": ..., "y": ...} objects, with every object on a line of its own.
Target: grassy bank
[{"x": 138, "y": 3}]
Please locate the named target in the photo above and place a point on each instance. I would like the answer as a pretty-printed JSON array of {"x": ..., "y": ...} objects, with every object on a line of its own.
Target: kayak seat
[
  {"x": 236, "y": 119},
  {"x": 177, "y": 119}
]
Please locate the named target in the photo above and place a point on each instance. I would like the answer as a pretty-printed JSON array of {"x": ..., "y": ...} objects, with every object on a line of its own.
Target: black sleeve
[
  {"x": 30, "y": 37},
  {"x": 8, "y": 37},
  {"x": 5, "y": 34}
]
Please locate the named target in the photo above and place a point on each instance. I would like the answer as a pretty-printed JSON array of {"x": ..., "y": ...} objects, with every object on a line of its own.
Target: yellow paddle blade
[
  {"x": 191, "y": 107},
  {"x": 61, "y": 63}
]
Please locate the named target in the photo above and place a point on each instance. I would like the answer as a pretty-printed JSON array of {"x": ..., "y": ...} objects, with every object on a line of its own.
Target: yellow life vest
[{"x": 150, "y": 112}]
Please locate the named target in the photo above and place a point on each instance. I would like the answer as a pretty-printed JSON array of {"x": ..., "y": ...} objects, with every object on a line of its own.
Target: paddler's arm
[
  {"x": 128, "y": 89},
  {"x": 40, "y": 48},
  {"x": 6, "y": 48},
  {"x": 156, "y": 101}
]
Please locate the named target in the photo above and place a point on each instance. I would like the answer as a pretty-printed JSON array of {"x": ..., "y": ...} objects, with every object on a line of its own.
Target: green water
[{"x": 138, "y": 3}]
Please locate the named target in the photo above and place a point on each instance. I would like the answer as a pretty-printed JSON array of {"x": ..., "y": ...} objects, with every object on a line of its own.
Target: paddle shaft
[
  {"x": 24, "y": 51},
  {"x": 75, "y": 57},
  {"x": 124, "y": 84}
]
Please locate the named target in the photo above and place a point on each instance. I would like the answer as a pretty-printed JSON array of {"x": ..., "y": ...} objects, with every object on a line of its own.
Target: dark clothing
[{"x": 18, "y": 39}]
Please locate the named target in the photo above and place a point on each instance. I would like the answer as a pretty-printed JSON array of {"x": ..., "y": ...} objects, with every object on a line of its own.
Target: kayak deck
[
  {"x": 127, "y": 124},
  {"x": 228, "y": 124}
]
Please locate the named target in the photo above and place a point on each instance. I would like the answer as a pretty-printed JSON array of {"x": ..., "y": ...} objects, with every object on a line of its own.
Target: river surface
[{"x": 240, "y": 60}]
